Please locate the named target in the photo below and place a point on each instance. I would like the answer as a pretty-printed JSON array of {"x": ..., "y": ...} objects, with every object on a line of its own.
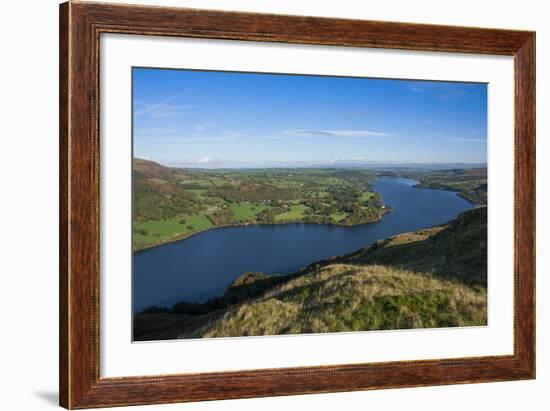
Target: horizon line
[{"x": 274, "y": 164}]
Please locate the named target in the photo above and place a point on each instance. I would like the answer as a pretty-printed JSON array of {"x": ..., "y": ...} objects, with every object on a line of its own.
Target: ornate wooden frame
[{"x": 80, "y": 27}]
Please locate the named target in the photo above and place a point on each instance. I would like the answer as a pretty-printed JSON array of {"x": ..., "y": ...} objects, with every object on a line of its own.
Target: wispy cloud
[
  {"x": 177, "y": 140},
  {"x": 205, "y": 160},
  {"x": 197, "y": 162},
  {"x": 163, "y": 108},
  {"x": 332, "y": 133},
  {"x": 234, "y": 134},
  {"x": 157, "y": 131},
  {"x": 474, "y": 133},
  {"x": 202, "y": 127},
  {"x": 442, "y": 91},
  {"x": 468, "y": 140}
]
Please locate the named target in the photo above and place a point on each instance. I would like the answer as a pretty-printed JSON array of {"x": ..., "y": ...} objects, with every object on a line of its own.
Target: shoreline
[
  {"x": 187, "y": 236},
  {"x": 386, "y": 210},
  {"x": 456, "y": 191}
]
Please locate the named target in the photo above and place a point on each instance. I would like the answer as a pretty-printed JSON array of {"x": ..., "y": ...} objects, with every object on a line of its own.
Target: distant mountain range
[{"x": 374, "y": 165}]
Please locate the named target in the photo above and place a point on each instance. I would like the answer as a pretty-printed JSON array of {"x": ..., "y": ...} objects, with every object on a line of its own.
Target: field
[
  {"x": 294, "y": 213},
  {"x": 244, "y": 212},
  {"x": 160, "y": 231},
  {"x": 171, "y": 203}
]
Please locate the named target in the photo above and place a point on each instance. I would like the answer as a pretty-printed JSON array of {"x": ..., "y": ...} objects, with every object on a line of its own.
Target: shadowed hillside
[
  {"x": 456, "y": 251},
  {"x": 157, "y": 194},
  {"x": 429, "y": 278}
]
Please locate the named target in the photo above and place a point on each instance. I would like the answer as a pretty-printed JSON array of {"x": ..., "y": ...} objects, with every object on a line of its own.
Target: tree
[{"x": 141, "y": 231}]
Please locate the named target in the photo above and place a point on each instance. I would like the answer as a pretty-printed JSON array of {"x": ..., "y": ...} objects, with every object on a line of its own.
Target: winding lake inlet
[{"x": 202, "y": 266}]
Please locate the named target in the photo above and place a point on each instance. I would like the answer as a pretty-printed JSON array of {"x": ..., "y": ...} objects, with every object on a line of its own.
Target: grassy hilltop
[
  {"x": 435, "y": 277},
  {"x": 173, "y": 203}
]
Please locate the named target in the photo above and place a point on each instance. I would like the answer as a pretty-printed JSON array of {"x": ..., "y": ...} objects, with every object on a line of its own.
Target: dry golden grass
[
  {"x": 343, "y": 297},
  {"x": 407, "y": 238}
]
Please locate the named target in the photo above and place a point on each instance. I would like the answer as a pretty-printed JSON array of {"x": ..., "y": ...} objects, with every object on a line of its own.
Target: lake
[{"x": 202, "y": 266}]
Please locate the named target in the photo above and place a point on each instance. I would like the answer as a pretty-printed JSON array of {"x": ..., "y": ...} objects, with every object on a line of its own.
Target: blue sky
[{"x": 218, "y": 119}]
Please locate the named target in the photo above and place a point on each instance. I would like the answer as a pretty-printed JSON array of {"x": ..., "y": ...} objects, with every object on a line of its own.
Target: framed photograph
[{"x": 259, "y": 205}]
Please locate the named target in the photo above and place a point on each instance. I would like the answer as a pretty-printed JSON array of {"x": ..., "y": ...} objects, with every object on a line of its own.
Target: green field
[
  {"x": 367, "y": 195},
  {"x": 246, "y": 211},
  {"x": 337, "y": 217},
  {"x": 153, "y": 232},
  {"x": 295, "y": 213}
]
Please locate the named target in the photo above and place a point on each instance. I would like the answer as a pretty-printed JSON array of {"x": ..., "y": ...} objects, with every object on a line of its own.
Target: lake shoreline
[
  {"x": 456, "y": 191},
  {"x": 386, "y": 210}
]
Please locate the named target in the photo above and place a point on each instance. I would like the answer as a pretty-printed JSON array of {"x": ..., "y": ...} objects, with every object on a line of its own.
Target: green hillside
[
  {"x": 469, "y": 183},
  {"x": 432, "y": 278}
]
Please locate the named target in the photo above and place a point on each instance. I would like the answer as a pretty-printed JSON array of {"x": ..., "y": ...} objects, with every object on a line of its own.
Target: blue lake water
[{"x": 202, "y": 266}]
